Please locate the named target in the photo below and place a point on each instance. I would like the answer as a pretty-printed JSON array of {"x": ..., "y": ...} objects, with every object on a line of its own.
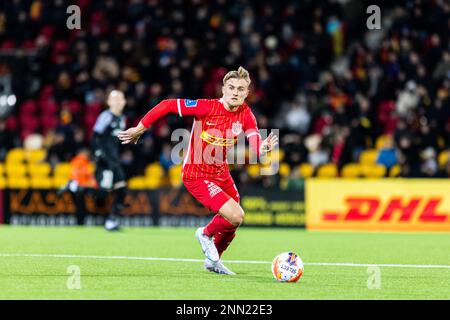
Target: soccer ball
[{"x": 287, "y": 267}]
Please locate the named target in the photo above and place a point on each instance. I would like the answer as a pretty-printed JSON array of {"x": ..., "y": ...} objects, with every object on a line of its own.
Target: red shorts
[{"x": 212, "y": 193}]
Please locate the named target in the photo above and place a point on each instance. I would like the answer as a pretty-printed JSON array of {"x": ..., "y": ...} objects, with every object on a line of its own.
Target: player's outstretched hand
[
  {"x": 268, "y": 144},
  {"x": 131, "y": 135}
]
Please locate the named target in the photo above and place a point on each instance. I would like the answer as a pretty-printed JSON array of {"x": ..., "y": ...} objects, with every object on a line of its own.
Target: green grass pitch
[{"x": 101, "y": 277}]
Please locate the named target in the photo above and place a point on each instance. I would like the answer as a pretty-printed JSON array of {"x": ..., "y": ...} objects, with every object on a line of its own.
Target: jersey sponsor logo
[
  {"x": 210, "y": 123},
  {"x": 236, "y": 127},
  {"x": 190, "y": 103},
  {"x": 213, "y": 189},
  {"x": 217, "y": 141}
]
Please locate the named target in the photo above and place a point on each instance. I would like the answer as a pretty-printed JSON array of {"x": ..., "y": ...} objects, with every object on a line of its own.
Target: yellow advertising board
[{"x": 382, "y": 204}]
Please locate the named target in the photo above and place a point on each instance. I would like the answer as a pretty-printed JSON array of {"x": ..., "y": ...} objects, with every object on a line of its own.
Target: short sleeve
[
  {"x": 103, "y": 121},
  {"x": 197, "y": 108}
]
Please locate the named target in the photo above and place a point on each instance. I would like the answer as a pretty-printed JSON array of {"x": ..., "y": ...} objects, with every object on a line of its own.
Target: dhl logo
[
  {"x": 217, "y": 141},
  {"x": 361, "y": 209}
]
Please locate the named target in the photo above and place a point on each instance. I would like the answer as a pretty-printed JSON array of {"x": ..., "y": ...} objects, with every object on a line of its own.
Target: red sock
[
  {"x": 223, "y": 240},
  {"x": 218, "y": 224}
]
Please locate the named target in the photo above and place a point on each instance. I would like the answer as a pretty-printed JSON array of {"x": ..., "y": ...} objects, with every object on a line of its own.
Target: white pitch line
[{"x": 328, "y": 264}]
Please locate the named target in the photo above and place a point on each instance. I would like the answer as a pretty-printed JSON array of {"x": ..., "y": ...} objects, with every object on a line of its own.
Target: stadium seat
[
  {"x": 48, "y": 107},
  {"x": 443, "y": 158},
  {"x": 368, "y": 156},
  {"x": 306, "y": 170},
  {"x": 327, "y": 171},
  {"x": 59, "y": 181},
  {"x": 2, "y": 169},
  {"x": 381, "y": 141},
  {"x": 62, "y": 170},
  {"x": 175, "y": 175},
  {"x": 16, "y": 170},
  {"x": 373, "y": 171},
  {"x": 18, "y": 182},
  {"x": 34, "y": 156},
  {"x": 284, "y": 170},
  {"x": 3, "y": 183},
  {"x": 253, "y": 170},
  {"x": 351, "y": 170},
  {"x": 153, "y": 182},
  {"x": 28, "y": 107},
  {"x": 15, "y": 155},
  {"x": 137, "y": 182},
  {"x": 276, "y": 155},
  {"x": 154, "y": 170},
  {"x": 41, "y": 183},
  {"x": 39, "y": 169},
  {"x": 395, "y": 171}
]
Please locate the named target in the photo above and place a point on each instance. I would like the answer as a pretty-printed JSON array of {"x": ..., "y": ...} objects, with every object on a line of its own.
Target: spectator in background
[
  {"x": 409, "y": 157},
  {"x": 316, "y": 155},
  {"x": 6, "y": 140},
  {"x": 408, "y": 99},
  {"x": 397, "y": 84},
  {"x": 387, "y": 156},
  {"x": 81, "y": 172},
  {"x": 298, "y": 118},
  {"x": 429, "y": 166},
  {"x": 165, "y": 159}
]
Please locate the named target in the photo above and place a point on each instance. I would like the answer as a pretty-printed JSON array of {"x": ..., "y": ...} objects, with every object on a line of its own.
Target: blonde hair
[{"x": 241, "y": 73}]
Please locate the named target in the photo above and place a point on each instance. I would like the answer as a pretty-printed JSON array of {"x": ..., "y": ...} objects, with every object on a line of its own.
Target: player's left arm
[
  {"x": 183, "y": 107},
  {"x": 259, "y": 146}
]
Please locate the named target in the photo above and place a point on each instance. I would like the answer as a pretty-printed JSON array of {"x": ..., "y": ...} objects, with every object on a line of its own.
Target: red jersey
[{"x": 214, "y": 131}]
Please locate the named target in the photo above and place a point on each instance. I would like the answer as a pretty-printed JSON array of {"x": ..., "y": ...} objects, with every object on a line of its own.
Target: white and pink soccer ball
[{"x": 287, "y": 267}]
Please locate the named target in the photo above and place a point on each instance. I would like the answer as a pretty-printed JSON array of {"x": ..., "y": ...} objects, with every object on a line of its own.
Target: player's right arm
[{"x": 182, "y": 107}]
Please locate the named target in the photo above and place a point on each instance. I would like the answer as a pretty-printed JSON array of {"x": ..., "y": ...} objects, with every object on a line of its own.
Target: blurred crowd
[{"x": 318, "y": 74}]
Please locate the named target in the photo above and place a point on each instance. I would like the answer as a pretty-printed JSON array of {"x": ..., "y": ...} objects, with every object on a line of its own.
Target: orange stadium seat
[
  {"x": 395, "y": 171},
  {"x": 62, "y": 170},
  {"x": 59, "y": 181},
  {"x": 154, "y": 173},
  {"x": 368, "y": 156},
  {"x": 137, "y": 183},
  {"x": 284, "y": 170},
  {"x": 41, "y": 182},
  {"x": 154, "y": 170},
  {"x": 175, "y": 175},
  {"x": 34, "y": 156},
  {"x": 16, "y": 155},
  {"x": 253, "y": 170},
  {"x": 16, "y": 170},
  {"x": 153, "y": 182},
  {"x": 373, "y": 170},
  {"x": 381, "y": 141},
  {"x": 327, "y": 171},
  {"x": 351, "y": 170},
  {"x": 18, "y": 182},
  {"x": 3, "y": 183},
  {"x": 39, "y": 169},
  {"x": 306, "y": 170},
  {"x": 276, "y": 155},
  {"x": 443, "y": 158}
]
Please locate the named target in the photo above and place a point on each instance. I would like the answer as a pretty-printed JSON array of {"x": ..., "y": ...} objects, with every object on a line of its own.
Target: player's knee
[{"x": 238, "y": 217}]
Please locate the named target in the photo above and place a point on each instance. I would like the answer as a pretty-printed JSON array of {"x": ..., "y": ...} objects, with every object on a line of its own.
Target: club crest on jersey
[
  {"x": 236, "y": 128},
  {"x": 190, "y": 103}
]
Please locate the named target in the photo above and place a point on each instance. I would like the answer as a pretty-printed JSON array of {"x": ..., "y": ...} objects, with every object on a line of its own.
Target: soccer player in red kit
[{"x": 205, "y": 172}]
